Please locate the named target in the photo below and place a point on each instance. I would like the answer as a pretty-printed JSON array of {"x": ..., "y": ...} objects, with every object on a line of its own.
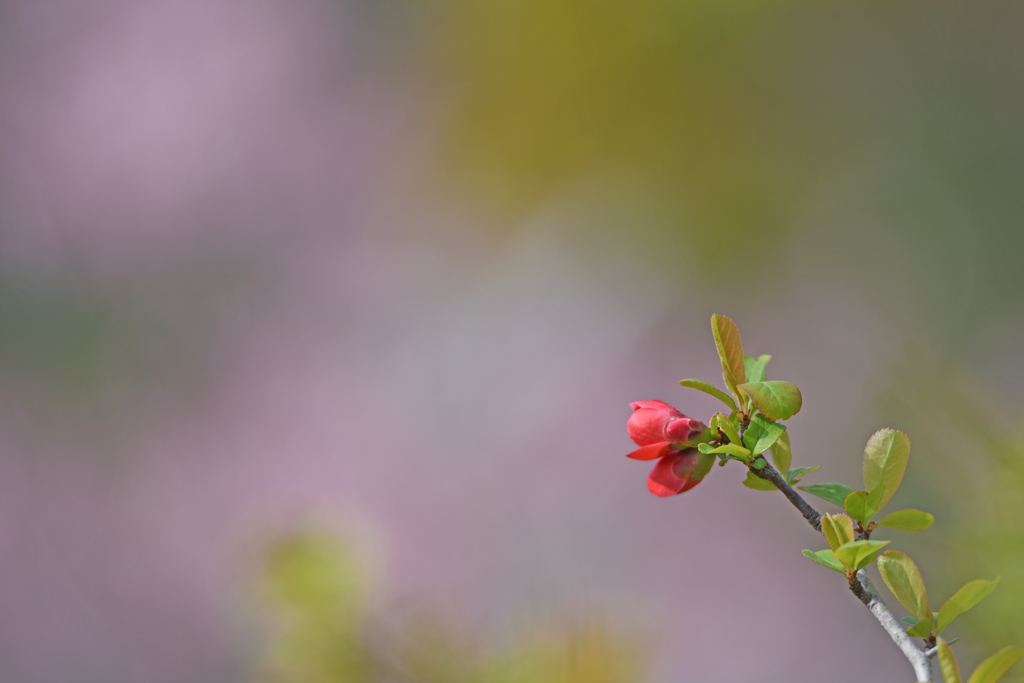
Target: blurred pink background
[{"x": 243, "y": 290}]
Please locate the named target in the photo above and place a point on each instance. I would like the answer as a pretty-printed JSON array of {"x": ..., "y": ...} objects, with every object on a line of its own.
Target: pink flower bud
[
  {"x": 679, "y": 471},
  {"x": 654, "y": 422},
  {"x": 665, "y": 434}
]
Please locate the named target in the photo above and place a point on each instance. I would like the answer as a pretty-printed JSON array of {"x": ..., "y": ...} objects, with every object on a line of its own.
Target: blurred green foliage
[
  {"x": 878, "y": 131},
  {"x": 323, "y": 631},
  {"x": 669, "y": 92},
  {"x": 315, "y": 590},
  {"x": 56, "y": 333}
]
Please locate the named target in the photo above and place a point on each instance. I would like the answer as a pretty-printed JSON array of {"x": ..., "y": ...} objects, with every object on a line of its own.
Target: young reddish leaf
[
  {"x": 833, "y": 493},
  {"x": 862, "y": 505},
  {"x": 885, "y": 460},
  {"x": 730, "y": 348},
  {"x": 947, "y": 662},
  {"x": 993, "y": 668},
  {"x": 964, "y": 599},
  {"x": 921, "y": 629},
  {"x": 758, "y": 484},
  {"x": 709, "y": 389},
  {"x": 826, "y": 558},
  {"x": 775, "y": 400},
  {"x": 755, "y": 367},
  {"x": 838, "y": 530},
  {"x": 903, "y": 578},
  {"x": 907, "y": 520}
]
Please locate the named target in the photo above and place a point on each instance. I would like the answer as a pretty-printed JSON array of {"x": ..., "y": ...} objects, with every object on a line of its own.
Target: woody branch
[{"x": 861, "y": 586}]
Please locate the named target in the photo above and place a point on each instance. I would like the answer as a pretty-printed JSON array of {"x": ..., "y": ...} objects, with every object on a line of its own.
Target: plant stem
[
  {"x": 862, "y": 587},
  {"x": 770, "y": 474},
  {"x": 866, "y": 593}
]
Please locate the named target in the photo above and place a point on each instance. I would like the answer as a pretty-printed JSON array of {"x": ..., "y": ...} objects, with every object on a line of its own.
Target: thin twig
[
  {"x": 770, "y": 474},
  {"x": 935, "y": 650},
  {"x": 862, "y": 587}
]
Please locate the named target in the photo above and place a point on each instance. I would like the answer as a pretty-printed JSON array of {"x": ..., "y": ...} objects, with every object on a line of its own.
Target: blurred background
[{"x": 319, "y": 321}]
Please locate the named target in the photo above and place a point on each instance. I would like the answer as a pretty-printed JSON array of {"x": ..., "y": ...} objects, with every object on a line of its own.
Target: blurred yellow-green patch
[
  {"x": 686, "y": 102},
  {"x": 321, "y": 632}
]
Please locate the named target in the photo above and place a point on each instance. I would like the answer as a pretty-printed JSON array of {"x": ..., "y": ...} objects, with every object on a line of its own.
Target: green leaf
[
  {"x": 862, "y": 505},
  {"x": 737, "y": 420},
  {"x": 833, "y": 493},
  {"x": 761, "y": 434},
  {"x": 741, "y": 398},
  {"x": 907, "y": 520},
  {"x": 797, "y": 473},
  {"x": 720, "y": 421},
  {"x": 825, "y": 557},
  {"x": 775, "y": 400},
  {"x": 838, "y": 530},
  {"x": 759, "y": 463},
  {"x": 947, "y": 662},
  {"x": 709, "y": 389},
  {"x": 858, "y": 554},
  {"x": 755, "y": 367},
  {"x": 993, "y": 668},
  {"x": 730, "y": 448},
  {"x": 964, "y": 599},
  {"x": 909, "y": 621},
  {"x": 921, "y": 629},
  {"x": 782, "y": 455},
  {"x": 730, "y": 349},
  {"x": 758, "y": 484},
  {"x": 885, "y": 459},
  {"x": 903, "y": 578}
]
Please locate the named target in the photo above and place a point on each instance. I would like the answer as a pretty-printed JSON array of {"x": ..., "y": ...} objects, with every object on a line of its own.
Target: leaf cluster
[
  {"x": 846, "y": 553},
  {"x": 756, "y": 408},
  {"x": 745, "y": 378},
  {"x": 885, "y": 461},
  {"x": 903, "y": 578},
  {"x": 753, "y": 426}
]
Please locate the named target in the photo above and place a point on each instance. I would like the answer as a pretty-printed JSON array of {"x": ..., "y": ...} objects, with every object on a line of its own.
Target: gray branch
[
  {"x": 770, "y": 474},
  {"x": 866, "y": 593},
  {"x": 861, "y": 586}
]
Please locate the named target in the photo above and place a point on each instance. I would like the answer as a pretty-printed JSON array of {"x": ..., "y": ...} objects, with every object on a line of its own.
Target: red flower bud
[
  {"x": 678, "y": 471},
  {"x": 655, "y": 422},
  {"x": 664, "y": 433}
]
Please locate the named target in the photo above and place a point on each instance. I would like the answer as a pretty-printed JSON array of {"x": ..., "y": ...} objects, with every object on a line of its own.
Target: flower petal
[
  {"x": 650, "y": 405},
  {"x": 684, "y": 430},
  {"x": 662, "y": 481},
  {"x": 647, "y": 423},
  {"x": 651, "y": 451},
  {"x": 679, "y": 471}
]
